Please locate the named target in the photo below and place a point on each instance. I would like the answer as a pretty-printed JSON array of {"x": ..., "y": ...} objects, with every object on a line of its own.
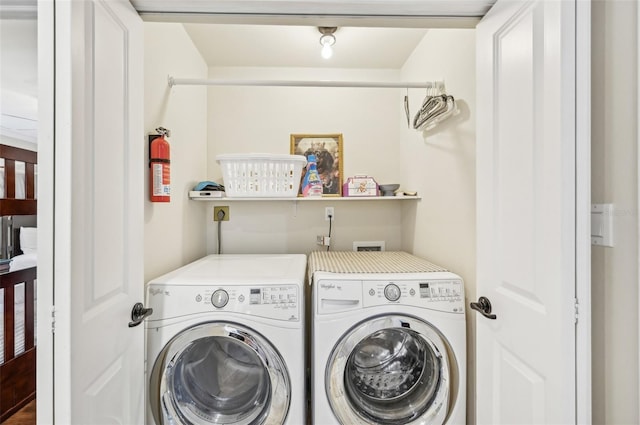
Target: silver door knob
[
  {"x": 484, "y": 307},
  {"x": 138, "y": 314}
]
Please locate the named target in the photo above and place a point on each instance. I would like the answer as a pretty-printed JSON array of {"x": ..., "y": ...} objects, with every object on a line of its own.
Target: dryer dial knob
[
  {"x": 220, "y": 298},
  {"x": 392, "y": 292}
]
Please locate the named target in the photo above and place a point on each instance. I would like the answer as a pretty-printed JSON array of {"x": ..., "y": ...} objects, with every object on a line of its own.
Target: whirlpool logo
[
  {"x": 329, "y": 286},
  {"x": 157, "y": 291}
]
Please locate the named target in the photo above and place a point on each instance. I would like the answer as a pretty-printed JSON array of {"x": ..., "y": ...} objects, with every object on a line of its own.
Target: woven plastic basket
[{"x": 261, "y": 175}]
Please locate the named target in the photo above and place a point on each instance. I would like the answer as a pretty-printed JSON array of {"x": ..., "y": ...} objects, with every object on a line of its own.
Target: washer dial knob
[
  {"x": 392, "y": 292},
  {"x": 220, "y": 298}
]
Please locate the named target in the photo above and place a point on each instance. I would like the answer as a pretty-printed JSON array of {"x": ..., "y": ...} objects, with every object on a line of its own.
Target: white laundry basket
[{"x": 261, "y": 175}]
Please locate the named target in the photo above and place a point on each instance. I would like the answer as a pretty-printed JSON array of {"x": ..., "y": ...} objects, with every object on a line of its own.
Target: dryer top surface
[{"x": 263, "y": 269}]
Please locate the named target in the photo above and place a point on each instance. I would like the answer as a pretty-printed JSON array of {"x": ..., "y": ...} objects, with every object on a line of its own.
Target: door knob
[
  {"x": 484, "y": 307},
  {"x": 138, "y": 314}
]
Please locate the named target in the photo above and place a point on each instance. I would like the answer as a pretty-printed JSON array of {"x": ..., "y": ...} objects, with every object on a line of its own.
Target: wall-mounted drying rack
[{"x": 301, "y": 83}]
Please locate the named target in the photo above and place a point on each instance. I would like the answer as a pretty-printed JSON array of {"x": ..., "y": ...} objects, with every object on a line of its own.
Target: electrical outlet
[
  {"x": 219, "y": 212},
  {"x": 323, "y": 240},
  {"x": 328, "y": 211}
]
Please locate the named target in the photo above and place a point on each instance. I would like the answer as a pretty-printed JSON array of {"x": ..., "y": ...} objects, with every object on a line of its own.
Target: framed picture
[{"x": 328, "y": 151}]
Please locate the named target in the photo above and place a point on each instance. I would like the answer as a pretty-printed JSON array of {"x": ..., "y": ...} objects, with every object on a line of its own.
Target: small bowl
[{"x": 388, "y": 189}]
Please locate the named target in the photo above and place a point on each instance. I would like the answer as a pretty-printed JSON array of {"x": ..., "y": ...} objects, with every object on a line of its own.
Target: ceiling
[
  {"x": 284, "y": 33},
  {"x": 299, "y": 46}
]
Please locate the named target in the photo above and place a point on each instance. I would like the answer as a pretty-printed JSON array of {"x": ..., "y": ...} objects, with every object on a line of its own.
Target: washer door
[
  {"x": 219, "y": 373},
  {"x": 390, "y": 369}
]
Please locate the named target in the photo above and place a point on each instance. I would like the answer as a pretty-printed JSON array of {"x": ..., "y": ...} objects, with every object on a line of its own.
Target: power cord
[
  {"x": 330, "y": 222},
  {"x": 221, "y": 215}
]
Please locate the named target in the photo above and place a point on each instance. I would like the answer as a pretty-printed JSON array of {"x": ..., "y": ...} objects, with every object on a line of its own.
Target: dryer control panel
[
  {"x": 267, "y": 301},
  {"x": 278, "y": 302}
]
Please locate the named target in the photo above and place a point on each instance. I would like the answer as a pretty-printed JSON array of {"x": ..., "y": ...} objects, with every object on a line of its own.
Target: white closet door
[
  {"x": 526, "y": 213},
  {"x": 98, "y": 214}
]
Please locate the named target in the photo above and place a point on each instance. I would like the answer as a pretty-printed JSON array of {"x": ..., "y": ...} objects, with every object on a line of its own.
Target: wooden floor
[{"x": 24, "y": 416}]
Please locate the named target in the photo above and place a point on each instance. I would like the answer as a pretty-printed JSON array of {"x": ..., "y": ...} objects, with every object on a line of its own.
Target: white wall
[
  {"x": 261, "y": 119},
  {"x": 440, "y": 165},
  {"x": 174, "y": 232},
  {"x": 614, "y": 180}
]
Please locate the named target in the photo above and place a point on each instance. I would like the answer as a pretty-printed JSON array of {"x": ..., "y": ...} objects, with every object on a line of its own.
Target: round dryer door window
[
  {"x": 221, "y": 373},
  {"x": 390, "y": 370}
]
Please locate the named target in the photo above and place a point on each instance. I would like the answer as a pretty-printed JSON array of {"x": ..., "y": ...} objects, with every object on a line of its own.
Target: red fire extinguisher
[{"x": 159, "y": 162}]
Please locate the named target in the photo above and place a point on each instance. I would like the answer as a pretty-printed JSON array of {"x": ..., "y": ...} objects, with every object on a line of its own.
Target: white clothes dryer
[
  {"x": 225, "y": 342},
  {"x": 388, "y": 340}
]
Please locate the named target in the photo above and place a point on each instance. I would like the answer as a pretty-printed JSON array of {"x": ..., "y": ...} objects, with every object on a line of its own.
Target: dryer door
[
  {"x": 219, "y": 372},
  {"x": 391, "y": 369}
]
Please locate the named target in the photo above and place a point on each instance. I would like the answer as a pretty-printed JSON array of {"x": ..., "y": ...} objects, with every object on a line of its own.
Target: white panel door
[
  {"x": 98, "y": 214},
  {"x": 526, "y": 214}
]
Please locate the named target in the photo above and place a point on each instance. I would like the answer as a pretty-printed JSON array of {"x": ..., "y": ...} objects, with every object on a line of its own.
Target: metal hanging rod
[{"x": 295, "y": 83}]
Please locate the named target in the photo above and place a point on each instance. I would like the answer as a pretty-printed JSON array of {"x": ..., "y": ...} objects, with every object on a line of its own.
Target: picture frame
[{"x": 328, "y": 151}]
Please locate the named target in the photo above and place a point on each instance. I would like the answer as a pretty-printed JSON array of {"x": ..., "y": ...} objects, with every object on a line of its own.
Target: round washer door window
[
  {"x": 389, "y": 370},
  {"x": 221, "y": 373}
]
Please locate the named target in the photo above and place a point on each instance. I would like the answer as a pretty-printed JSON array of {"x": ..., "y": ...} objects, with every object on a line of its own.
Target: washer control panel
[
  {"x": 440, "y": 290},
  {"x": 443, "y": 295}
]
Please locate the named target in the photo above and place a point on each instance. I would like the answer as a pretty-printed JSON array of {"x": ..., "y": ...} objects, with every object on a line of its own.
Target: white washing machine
[
  {"x": 388, "y": 340},
  {"x": 225, "y": 342}
]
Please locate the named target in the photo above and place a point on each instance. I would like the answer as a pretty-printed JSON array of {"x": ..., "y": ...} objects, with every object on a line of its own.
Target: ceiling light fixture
[{"x": 327, "y": 39}]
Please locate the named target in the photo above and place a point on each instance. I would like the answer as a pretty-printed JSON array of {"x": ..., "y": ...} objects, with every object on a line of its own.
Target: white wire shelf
[{"x": 311, "y": 199}]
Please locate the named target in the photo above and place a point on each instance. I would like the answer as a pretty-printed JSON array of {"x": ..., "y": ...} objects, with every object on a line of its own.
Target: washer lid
[{"x": 219, "y": 373}]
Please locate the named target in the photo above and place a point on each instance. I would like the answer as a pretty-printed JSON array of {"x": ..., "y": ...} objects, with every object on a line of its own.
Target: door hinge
[
  {"x": 53, "y": 319},
  {"x": 576, "y": 310}
]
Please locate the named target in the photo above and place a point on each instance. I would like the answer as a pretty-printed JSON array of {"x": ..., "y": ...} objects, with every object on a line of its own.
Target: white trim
[
  {"x": 25, "y": 9},
  {"x": 583, "y": 212},
  {"x": 413, "y": 21},
  {"x": 44, "y": 354},
  {"x": 61, "y": 209},
  {"x": 637, "y": 166},
  {"x": 314, "y": 8}
]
